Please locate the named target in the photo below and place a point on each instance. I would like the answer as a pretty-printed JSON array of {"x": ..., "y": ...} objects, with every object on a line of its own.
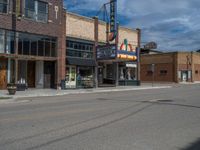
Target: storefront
[
  {"x": 118, "y": 66},
  {"x": 34, "y": 66},
  {"x": 80, "y": 64}
]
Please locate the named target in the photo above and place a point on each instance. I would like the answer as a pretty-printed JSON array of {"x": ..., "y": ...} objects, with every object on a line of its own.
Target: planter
[{"x": 11, "y": 89}]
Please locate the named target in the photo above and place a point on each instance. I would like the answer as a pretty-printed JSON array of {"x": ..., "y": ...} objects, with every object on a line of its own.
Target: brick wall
[
  {"x": 163, "y": 63},
  {"x": 172, "y": 62},
  {"x": 55, "y": 27}
]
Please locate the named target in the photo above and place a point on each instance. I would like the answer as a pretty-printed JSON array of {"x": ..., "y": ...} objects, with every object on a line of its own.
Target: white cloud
[{"x": 173, "y": 24}]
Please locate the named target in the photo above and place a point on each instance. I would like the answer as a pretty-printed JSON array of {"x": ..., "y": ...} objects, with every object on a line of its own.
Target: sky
[{"x": 173, "y": 24}]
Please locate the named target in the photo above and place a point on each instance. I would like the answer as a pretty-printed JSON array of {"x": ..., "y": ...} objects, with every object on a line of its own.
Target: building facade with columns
[{"x": 32, "y": 43}]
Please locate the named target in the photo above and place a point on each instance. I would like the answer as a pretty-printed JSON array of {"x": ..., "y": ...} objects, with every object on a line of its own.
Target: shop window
[
  {"x": 2, "y": 41},
  {"x": 34, "y": 48},
  {"x": 163, "y": 72},
  {"x": 10, "y": 43},
  {"x": 41, "y": 48},
  {"x": 47, "y": 48},
  {"x": 26, "y": 46},
  {"x": 36, "y": 10},
  {"x": 3, "y": 6},
  {"x": 53, "y": 49},
  {"x": 20, "y": 47}
]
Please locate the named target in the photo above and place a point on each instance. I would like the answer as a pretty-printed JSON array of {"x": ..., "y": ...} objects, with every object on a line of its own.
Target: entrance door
[
  {"x": 184, "y": 76},
  {"x": 49, "y": 74},
  {"x": 70, "y": 77},
  {"x": 3, "y": 69},
  {"x": 31, "y": 74}
]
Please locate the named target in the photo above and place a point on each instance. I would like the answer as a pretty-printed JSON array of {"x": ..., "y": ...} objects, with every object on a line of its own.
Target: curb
[{"x": 91, "y": 91}]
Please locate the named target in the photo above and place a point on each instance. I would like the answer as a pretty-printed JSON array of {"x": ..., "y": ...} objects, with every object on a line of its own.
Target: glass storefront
[
  {"x": 85, "y": 77},
  {"x": 36, "y": 45}
]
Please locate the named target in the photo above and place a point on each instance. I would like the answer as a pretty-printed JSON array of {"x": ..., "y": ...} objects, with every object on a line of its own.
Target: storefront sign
[
  {"x": 127, "y": 52},
  {"x": 106, "y": 52},
  {"x": 113, "y": 19}
]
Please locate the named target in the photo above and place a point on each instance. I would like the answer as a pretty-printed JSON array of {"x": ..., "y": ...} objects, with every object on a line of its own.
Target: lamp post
[{"x": 153, "y": 70}]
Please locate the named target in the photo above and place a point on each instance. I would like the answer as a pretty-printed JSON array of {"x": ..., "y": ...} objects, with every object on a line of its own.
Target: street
[{"x": 154, "y": 119}]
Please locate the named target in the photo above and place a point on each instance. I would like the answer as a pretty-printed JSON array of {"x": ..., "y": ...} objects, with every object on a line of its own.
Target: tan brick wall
[
  {"x": 83, "y": 28},
  {"x": 130, "y": 35}
]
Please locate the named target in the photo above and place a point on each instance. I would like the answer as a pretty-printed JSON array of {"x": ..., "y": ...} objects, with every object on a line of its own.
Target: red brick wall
[
  {"x": 54, "y": 27},
  {"x": 196, "y": 72},
  {"x": 158, "y": 76},
  {"x": 165, "y": 61},
  {"x": 25, "y": 25}
]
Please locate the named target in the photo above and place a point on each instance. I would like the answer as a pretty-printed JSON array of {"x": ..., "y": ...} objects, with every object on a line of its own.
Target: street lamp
[{"x": 152, "y": 70}]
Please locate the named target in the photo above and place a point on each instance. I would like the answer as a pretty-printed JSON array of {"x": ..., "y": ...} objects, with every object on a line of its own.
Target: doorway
[
  {"x": 49, "y": 74},
  {"x": 31, "y": 74},
  {"x": 184, "y": 76},
  {"x": 3, "y": 73},
  {"x": 70, "y": 77}
]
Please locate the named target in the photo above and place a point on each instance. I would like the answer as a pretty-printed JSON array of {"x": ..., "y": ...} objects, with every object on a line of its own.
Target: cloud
[{"x": 173, "y": 24}]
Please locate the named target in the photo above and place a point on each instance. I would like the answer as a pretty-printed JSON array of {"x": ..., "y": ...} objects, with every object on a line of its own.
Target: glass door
[{"x": 70, "y": 77}]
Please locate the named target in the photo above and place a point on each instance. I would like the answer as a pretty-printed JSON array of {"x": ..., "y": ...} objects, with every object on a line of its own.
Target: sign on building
[
  {"x": 113, "y": 19},
  {"x": 106, "y": 52}
]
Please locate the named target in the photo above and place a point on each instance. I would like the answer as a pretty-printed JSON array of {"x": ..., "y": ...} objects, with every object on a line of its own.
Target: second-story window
[
  {"x": 36, "y": 10},
  {"x": 3, "y": 6}
]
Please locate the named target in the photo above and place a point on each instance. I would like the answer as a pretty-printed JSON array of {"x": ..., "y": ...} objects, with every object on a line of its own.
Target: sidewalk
[{"x": 54, "y": 92}]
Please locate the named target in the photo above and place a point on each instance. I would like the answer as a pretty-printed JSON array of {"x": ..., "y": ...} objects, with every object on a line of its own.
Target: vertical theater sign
[
  {"x": 113, "y": 20},
  {"x": 117, "y": 62}
]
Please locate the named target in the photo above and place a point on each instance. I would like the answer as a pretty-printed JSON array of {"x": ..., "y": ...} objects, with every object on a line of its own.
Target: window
[
  {"x": 29, "y": 44},
  {"x": 3, "y": 6},
  {"x": 163, "y": 72},
  {"x": 149, "y": 72},
  {"x": 2, "y": 41},
  {"x": 26, "y": 46},
  {"x": 36, "y": 10},
  {"x": 196, "y": 72},
  {"x": 10, "y": 42},
  {"x": 79, "y": 49}
]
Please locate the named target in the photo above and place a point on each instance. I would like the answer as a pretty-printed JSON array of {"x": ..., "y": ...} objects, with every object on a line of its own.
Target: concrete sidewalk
[{"x": 54, "y": 92}]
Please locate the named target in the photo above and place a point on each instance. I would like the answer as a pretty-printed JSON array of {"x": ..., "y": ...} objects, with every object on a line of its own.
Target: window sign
[{"x": 106, "y": 52}]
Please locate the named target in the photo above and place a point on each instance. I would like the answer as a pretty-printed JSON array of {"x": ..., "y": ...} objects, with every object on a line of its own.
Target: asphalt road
[{"x": 159, "y": 119}]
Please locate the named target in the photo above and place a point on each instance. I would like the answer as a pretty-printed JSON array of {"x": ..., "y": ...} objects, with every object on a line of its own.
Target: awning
[{"x": 80, "y": 62}]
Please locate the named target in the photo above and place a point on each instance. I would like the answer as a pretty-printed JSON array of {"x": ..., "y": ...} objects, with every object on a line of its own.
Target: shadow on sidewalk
[{"x": 193, "y": 146}]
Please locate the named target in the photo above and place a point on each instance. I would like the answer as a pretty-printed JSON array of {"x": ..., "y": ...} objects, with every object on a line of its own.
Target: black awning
[{"x": 80, "y": 62}]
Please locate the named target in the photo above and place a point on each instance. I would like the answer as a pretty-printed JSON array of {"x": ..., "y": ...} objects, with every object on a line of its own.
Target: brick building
[
  {"x": 171, "y": 67},
  {"x": 81, "y": 35},
  {"x": 32, "y": 42}
]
